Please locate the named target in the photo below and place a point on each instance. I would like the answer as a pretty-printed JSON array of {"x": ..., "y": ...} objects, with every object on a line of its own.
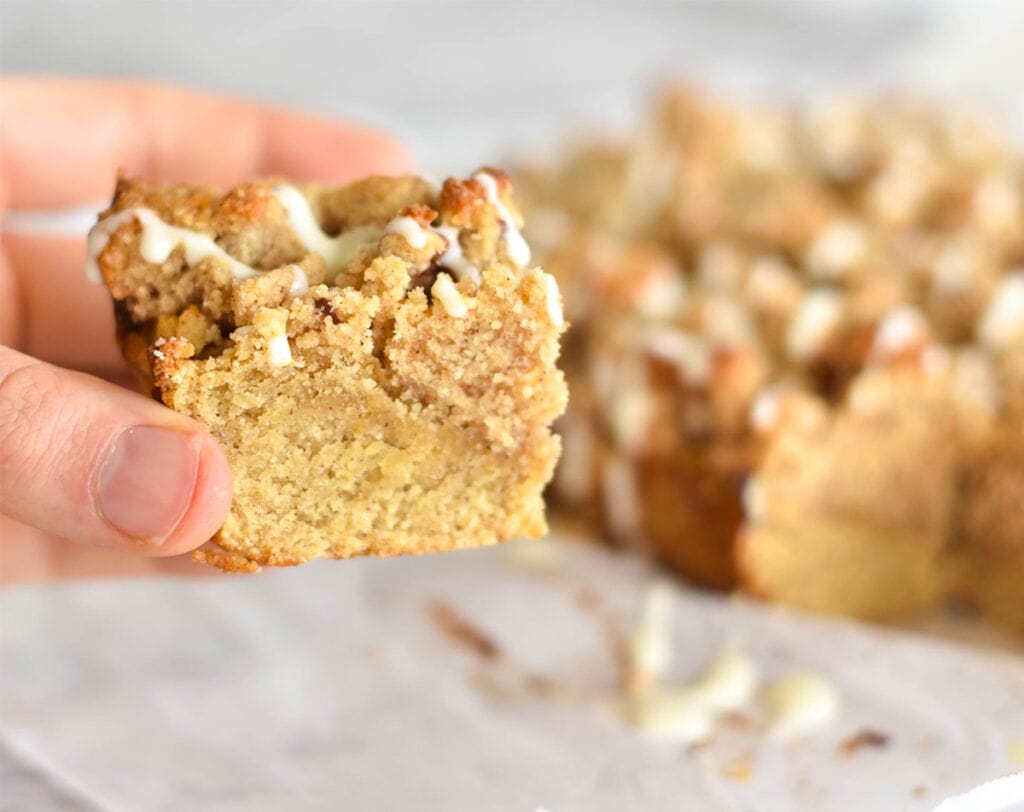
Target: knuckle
[{"x": 28, "y": 395}]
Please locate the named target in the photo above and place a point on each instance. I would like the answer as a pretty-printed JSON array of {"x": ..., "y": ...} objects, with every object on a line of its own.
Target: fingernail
[{"x": 145, "y": 484}]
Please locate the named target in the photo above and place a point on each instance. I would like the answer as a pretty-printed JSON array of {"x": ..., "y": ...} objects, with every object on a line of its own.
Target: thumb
[{"x": 89, "y": 461}]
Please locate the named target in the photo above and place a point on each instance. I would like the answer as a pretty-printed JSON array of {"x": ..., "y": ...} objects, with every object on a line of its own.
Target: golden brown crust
[
  {"x": 850, "y": 511},
  {"x": 990, "y": 559}
]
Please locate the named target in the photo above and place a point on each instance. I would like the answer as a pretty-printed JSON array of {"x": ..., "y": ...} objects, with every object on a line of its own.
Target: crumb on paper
[
  {"x": 739, "y": 720},
  {"x": 459, "y": 630},
  {"x": 863, "y": 738},
  {"x": 492, "y": 686},
  {"x": 676, "y": 716},
  {"x": 509, "y": 682},
  {"x": 799, "y": 705},
  {"x": 589, "y": 599},
  {"x": 539, "y": 685},
  {"x": 739, "y": 771},
  {"x": 729, "y": 681},
  {"x": 919, "y": 791}
]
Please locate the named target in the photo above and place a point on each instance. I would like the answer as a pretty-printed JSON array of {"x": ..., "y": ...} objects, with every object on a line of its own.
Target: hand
[{"x": 94, "y": 478}]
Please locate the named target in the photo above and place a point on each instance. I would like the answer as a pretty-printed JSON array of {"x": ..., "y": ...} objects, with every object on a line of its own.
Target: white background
[{"x": 470, "y": 83}]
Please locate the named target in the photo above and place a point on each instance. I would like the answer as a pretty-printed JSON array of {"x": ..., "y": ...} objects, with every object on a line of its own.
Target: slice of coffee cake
[{"x": 377, "y": 359}]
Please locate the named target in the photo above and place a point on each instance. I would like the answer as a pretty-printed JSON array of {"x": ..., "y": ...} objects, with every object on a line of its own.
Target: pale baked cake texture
[
  {"x": 377, "y": 359},
  {"x": 797, "y": 352},
  {"x": 990, "y": 559}
]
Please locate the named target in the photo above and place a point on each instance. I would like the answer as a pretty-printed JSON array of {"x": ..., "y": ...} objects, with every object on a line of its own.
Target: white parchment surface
[{"x": 331, "y": 686}]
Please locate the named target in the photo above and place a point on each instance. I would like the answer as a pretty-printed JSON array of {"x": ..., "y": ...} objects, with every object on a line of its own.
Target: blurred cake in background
[{"x": 796, "y": 359}]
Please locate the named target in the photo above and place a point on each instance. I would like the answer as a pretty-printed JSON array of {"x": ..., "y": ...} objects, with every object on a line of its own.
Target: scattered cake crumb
[
  {"x": 459, "y": 630},
  {"x": 863, "y": 738}
]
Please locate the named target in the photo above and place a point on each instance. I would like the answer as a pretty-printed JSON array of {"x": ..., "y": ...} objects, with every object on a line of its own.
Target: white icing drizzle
[
  {"x": 688, "y": 713},
  {"x": 279, "y": 354},
  {"x": 837, "y": 249},
  {"x": 453, "y": 258},
  {"x": 300, "y": 282},
  {"x": 800, "y": 704},
  {"x": 515, "y": 245},
  {"x": 157, "y": 242},
  {"x": 630, "y": 412},
  {"x": 409, "y": 229},
  {"x": 812, "y": 324},
  {"x": 674, "y": 716},
  {"x": 160, "y": 239},
  {"x": 690, "y": 353},
  {"x": 899, "y": 331},
  {"x": 659, "y": 292},
  {"x": 619, "y": 493},
  {"x": 416, "y": 236},
  {"x": 753, "y": 500},
  {"x": 554, "y": 301},
  {"x": 621, "y": 384},
  {"x": 445, "y": 292},
  {"x": 337, "y": 251},
  {"x": 728, "y": 682},
  {"x": 1002, "y": 323},
  {"x": 766, "y": 410},
  {"x": 650, "y": 645}
]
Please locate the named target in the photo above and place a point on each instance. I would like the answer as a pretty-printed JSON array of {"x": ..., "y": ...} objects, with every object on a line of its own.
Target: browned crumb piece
[
  {"x": 456, "y": 628},
  {"x": 863, "y": 738},
  {"x": 377, "y": 360}
]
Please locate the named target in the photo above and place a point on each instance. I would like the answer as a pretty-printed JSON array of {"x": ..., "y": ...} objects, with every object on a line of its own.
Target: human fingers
[
  {"x": 50, "y": 311},
  {"x": 63, "y": 141},
  {"x": 88, "y": 461},
  {"x": 31, "y": 555}
]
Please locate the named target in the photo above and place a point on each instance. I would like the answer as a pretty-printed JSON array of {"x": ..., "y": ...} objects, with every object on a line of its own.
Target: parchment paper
[{"x": 332, "y": 686}]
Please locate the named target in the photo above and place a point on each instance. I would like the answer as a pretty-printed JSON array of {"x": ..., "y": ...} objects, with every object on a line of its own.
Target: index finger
[{"x": 63, "y": 141}]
